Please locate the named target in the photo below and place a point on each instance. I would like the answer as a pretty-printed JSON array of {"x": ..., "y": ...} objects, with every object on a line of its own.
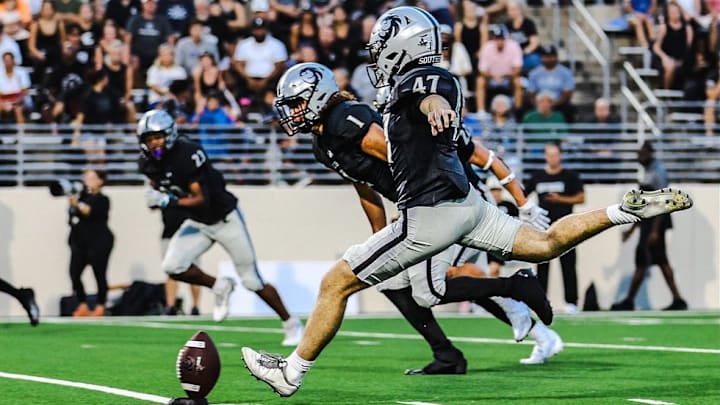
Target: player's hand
[
  {"x": 534, "y": 215},
  {"x": 157, "y": 199},
  {"x": 440, "y": 120}
]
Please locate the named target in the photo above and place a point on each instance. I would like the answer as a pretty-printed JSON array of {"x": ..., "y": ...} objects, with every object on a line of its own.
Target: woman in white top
[
  {"x": 162, "y": 73},
  {"x": 14, "y": 85}
]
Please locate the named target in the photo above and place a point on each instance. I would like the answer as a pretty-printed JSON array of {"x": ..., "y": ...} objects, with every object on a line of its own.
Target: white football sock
[
  {"x": 296, "y": 368},
  {"x": 538, "y": 329},
  {"x": 290, "y": 322},
  {"x": 620, "y": 217}
]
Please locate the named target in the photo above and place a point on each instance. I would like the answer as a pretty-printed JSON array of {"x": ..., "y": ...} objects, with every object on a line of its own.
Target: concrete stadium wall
[{"x": 319, "y": 223}]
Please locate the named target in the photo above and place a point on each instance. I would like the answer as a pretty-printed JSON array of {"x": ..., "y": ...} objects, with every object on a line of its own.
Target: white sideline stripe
[
  {"x": 651, "y": 401},
  {"x": 91, "y": 387},
  {"x": 220, "y": 328},
  {"x": 416, "y": 403}
]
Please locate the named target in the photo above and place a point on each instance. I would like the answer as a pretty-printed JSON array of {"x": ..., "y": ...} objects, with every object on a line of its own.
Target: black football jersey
[
  {"x": 338, "y": 147},
  {"x": 186, "y": 163},
  {"x": 426, "y": 169}
]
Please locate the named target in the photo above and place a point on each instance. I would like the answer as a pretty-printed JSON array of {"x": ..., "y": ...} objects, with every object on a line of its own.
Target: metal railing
[
  {"x": 260, "y": 155},
  {"x": 601, "y": 54}
]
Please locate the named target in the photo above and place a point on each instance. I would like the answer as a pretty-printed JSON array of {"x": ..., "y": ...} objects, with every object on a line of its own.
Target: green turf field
[{"x": 608, "y": 359}]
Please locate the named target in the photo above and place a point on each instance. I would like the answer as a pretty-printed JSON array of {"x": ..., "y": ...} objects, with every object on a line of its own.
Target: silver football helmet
[
  {"x": 402, "y": 36},
  {"x": 302, "y": 93},
  {"x": 153, "y": 122}
]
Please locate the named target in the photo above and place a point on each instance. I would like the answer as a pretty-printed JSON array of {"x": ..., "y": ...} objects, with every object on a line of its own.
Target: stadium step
[
  {"x": 685, "y": 117},
  {"x": 668, "y": 93}
]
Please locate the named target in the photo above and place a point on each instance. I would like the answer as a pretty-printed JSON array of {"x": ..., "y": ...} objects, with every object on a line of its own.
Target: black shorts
[{"x": 647, "y": 254}]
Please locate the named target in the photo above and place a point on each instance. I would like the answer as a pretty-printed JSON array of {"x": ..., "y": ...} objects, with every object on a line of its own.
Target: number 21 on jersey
[{"x": 198, "y": 158}]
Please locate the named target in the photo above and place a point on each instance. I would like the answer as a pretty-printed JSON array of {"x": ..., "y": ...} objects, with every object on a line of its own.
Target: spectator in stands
[
  {"x": 356, "y": 42},
  {"x": 100, "y": 106},
  {"x": 501, "y": 122},
  {"x": 120, "y": 77},
  {"x": 145, "y": 32},
  {"x": 602, "y": 114},
  {"x": 14, "y": 86},
  {"x": 544, "y": 120},
  {"x": 206, "y": 78},
  {"x": 179, "y": 101},
  {"x": 640, "y": 17},
  {"x": 341, "y": 25},
  {"x": 286, "y": 13},
  {"x": 455, "y": 57},
  {"x": 47, "y": 33},
  {"x": 331, "y": 52},
  {"x": 8, "y": 44},
  {"x": 83, "y": 55},
  {"x": 713, "y": 95},
  {"x": 68, "y": 83},
  {"x": 306, "y": 53},
  {"x": 234, "y": 14},
  {"x": 471, "y": 30},
  {"x": 21, "y": 7},
  {"x": 120, "y": 11},
  {"x": 214, "y": 140},
  {"x": 673, "y": 44},
  {"x": 523, "y": 30},
  {"x": 260, "y": 59},
  {"x": 189, "y": 49},
  {"x": 90, "y": 30},
  {"x": 492, "y": 8},
  {"x": 500, "y": 66},
  {"x": 91, "y": 241},
  {"x": 651, "y": 249},
  {"x": 440, "y": 9},
  {"x": 109, "y": 37},
  {"x": 163, "y": 72},
  {"x": 304, "y": 31},
  {"x": 178, "y": 13},
  {"x": 555, "y": 78},
  {"x": 68, "y": 10},
  {"x": 558, "y": 190},
  {"x": 342, "y": 78},
  {"x": 17, "y": 35}
]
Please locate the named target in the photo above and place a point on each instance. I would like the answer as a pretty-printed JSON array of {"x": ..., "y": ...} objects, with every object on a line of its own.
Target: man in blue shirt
[{"x": 555, "y": 78}]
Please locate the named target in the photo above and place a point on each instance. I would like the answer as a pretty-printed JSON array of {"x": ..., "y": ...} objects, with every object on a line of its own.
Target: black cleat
[
  {"x": 436, "y": 366},
  {"x": 527, "y": 288},
  {"x": 27, "y": 298},
  {"x": 194, "y": 311},
  {"x": 678, "y": 304},
  {"x": 624, "y": 305},
  {"x": 188, "y": 401}
]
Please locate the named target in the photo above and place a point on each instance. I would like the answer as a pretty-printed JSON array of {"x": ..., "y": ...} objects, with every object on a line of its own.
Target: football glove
[
  {"x": 157, "y": 199},
  {"x": 532, "y": 214}
]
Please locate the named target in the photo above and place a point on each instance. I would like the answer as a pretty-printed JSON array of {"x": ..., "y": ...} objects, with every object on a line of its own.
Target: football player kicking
[
  {"x": 182, "y": 177},
  {"x": 26, "y": 297},
  {"x": 438, "y": 206},
  {"x": 339, "y": 124}
]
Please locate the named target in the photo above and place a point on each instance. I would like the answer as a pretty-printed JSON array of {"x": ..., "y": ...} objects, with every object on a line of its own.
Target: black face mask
[{"x": 259, "y": 38}]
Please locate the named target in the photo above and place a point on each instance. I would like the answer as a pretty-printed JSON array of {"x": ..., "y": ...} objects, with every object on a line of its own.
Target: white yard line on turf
[
  {"x": 651, "y": 401},
  {"x": 92, "y": 387},
  {"x": 416, "y": 403},
  {"x": 376, "y": 335}
]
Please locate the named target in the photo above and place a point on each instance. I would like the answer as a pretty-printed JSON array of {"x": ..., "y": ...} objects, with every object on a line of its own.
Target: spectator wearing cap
[
  {"x": 523, "y": 30},
  {"x": 189, "y": 49},
  {"x": 8, "y": 43},
  {"x": 14, "y": 86},
  {"x": 178, "y": 13},
  {"x": 145, "y": 32},
  {"x": 543, "y": 119},
  {"x": 554, "y": 78},
  {"x": 260, "y": 59},
  {"x": 162, "y": 73},
  {"x": 501, "y": 61}
]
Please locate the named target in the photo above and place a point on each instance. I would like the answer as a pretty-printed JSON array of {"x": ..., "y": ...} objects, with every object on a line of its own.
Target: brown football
[{"x": 198, "y": 365}]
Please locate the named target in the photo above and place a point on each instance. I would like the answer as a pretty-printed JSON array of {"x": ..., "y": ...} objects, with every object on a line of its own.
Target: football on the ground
[{"x": 198, "y": 366}]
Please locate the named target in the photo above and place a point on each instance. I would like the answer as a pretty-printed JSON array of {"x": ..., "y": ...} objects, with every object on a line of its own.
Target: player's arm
[
  {"x": 372, "y": 204},
  {"x": 440, "y": 115},
  {"x": 374, "y": 142},
  {"x": 485, "y": 158},
  {"x": 196, "y": 197}
]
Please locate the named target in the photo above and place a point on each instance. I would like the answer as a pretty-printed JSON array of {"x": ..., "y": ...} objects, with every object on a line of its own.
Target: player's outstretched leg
[
  {"x": 26, "y": 297},
  {"x": 538, "y": 246},
  {"x": 285, "y": 376},
  {"x": 447, "y": 359}
]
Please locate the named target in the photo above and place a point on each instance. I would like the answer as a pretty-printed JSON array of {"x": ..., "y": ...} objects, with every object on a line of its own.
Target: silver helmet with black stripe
[{"x": 401, "y": 37}]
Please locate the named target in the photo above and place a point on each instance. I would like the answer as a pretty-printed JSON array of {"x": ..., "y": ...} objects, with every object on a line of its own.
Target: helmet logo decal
[
  {"x": 425, "y": 41},
  {"x": 311, "y": 75},
  {"x": 389, "y": 27}
]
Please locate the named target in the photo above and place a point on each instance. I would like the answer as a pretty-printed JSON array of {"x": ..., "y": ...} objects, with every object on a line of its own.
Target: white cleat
[
  {"x": 571, "y": 309},
  {"x": 269, "y": 369},
  {"x": 519, "y": 315},
  {"x": 222, "y": 289},
  {"x": 547, "y": 344},
  {"x": 293, "y": 332},
  {"x": 648, "y": 204}
]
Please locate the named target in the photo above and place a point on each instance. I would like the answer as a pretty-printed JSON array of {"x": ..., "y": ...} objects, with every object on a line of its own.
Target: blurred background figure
[
  {"x": 651, "y": 249},
  {"x": 558, "y": 190},
  {"x": 91, "y": 240}
]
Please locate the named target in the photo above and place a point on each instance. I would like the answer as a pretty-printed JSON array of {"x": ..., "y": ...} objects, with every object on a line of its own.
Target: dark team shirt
[
  {"x": 172, "y": 218},
  {"x": 185, "y": 163},
  {"x": 426, "y": 169},
  {"x": 339, "y": 149},
  {"x": 567, "y": 183},
  {"x": 93, "y": 227}
]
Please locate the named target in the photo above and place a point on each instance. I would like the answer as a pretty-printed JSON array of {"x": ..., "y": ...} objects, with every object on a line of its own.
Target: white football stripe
[
  {"x": 91, "y": 387},
  {"x": 650, "y": 401},
  {"x": 198, "y": 344}
]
